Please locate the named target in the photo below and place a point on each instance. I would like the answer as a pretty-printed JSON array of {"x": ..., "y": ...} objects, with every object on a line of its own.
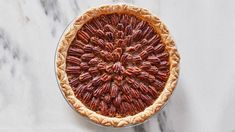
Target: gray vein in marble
[
  {"x": 52, "y": 9},
  {"x": 75, "y": 7},
  {"x": 9, "y": 55},
  {"x": 14, "y": 65},
  {"x": 163, "y": 122},
  {"x": 140, "y": 128}
]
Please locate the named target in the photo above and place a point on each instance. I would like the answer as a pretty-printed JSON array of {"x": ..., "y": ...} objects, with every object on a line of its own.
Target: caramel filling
[{"x": 117, "y": 65}]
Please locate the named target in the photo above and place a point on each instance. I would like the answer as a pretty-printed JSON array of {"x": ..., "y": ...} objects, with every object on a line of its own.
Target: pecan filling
[{"x": 117, "y": 65}]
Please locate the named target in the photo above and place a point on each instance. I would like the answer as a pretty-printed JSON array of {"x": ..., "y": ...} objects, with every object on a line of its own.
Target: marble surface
[{"x": 204, "y": 100}]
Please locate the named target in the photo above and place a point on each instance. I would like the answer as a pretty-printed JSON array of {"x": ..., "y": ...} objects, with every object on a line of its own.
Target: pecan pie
[{"x": 117, "y": 65}]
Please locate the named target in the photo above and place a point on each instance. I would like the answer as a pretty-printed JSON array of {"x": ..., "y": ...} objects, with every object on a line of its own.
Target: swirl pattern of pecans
[{"x": 123, "y": 78}]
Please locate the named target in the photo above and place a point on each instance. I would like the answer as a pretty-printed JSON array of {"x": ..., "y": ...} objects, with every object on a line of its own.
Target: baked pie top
[{"x": 117, "y": 65}]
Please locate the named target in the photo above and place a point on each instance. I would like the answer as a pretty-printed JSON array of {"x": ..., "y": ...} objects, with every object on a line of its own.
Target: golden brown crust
[{"x": 69, "y": 35}]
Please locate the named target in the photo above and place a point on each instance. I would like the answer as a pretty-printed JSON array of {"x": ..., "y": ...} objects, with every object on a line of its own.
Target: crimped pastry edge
[{"x": 166, "y": 39}]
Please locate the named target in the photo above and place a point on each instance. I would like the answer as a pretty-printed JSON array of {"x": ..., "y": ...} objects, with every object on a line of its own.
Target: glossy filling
[{"x": 117, "y": 65}]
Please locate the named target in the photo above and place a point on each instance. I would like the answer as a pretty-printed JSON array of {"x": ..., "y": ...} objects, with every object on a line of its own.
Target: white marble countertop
[{"x": 204, "y": 100}]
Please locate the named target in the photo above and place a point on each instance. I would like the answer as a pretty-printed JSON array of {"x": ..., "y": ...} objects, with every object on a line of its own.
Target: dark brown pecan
[
  {"x": 136, "y": 59},
  {"x": 105, "y": 77},
  {"x": 163, "y": 55},
  {"x": 74, "y": 82},
  {"x": 134, "y": 93},
  {"x": 93, "y": 70},
  {"x": 143, "y": 75},
  {"x": 73, "y": 60},
  {"x": 120, "y": 34},
  {"x": 122, "y": 108},
  {"x": 117, "y": 54},
  {"x": 145, "y": 65},
  {"x": 159, "y": 48},
  {"x": 117, "y": 101},
  {"x": 137, "y": 35},
  {"x": 143, "y": 88},
  {"x": 100, "y": 33},
  {"x": 164, "y": 66},
  {"x": 75, "y": 52},
  {"x": 141, "y": 104},
  {"x": 87, "y": 57},
  {"x": 112, "y": 110},
  {"x": 128, "y": 30},
  {"x": 83, "y": 36},
  {"x": 162, "y": 76},
  {"x": 102, "y": 90},
  {"x": 133, "y": 70},
  {"x": 157, "y": 84},
  {"x": 109, "y": 46},
  {"x": 109, "y": 28},
  {"x": 151, "y": 78},
  {"x": 73, "y": 69},
  {"x": 125, "y": 57},
  {"x": 107, "y": 98},
  {"x": 154, "y": 60},
  {"x": 143, "y": 54},
  {"x": 114, "y": 20},
  {"x": 87, "y": 96},
  {"x": 103, "y": 108},
  {"x": 147, "y": 99},
  {"x": 90, "y": 29},
  {"x": 80, "y": 90},
  {"x": 145, "y": 32},
  {"x": 97, "y": 24},
  {"x": 114, "y": 90},
  {"x": 94, "y": 103},
  {"x": 153, "y": 70},
  {"x": 84, "y": 66},
  {"x": 90, "y": 87},
  {"x": 153, "y": 92},
  {"x": 97, "y": 50},
  {"x": 127, "y": 97},
  {"x": 144, "y": 42},
  {"x": 96, "y": 81},
  {"x": 88, "y": 48},
  {"x": 149, "y": 49},
  {"x": 97, "y": 41},
  {"x": 126, "y": 88},
  {"x": 129, "y": 80},
  {"x": 133, "y": 22},
  {"x": 127, "y": 107},
  {"x": 109, "y": 36},
  {"x": 140, "y": 25},
  {"x": 138, "y": 104},
  {"x": 133, "y": 48},
  {"x": 117, "y": 67},
  {"x": 85, "y": 76},
  {"x": 128, "y": 40},
  {"x": 149, "y": 34},
  {"x": 101, "y": 66},
  {"x": 94, "y": 61},
  {"x": 118, "y": 80},
  {"x": 120, "y": 26},
  {"x": 154, "y": 40},
  {"x": 78, "y": 44},
  {"x": 124, "y": 20}
]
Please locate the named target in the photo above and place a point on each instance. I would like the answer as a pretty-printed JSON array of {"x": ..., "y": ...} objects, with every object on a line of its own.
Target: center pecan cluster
[{"x": 117, "y": 65}]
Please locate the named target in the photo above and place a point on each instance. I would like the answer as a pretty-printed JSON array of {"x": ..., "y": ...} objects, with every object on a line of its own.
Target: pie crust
[{"x": 70, "y": 34}]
